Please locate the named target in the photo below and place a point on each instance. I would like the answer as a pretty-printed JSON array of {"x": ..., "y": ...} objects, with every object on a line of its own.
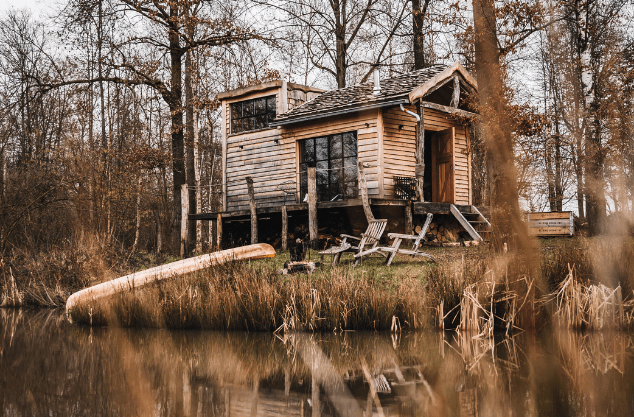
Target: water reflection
[{"x": 51, "y": 367}]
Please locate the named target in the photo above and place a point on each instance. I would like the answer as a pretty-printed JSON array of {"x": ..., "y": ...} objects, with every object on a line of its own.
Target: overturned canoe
[{"x": 185, "y": 266}]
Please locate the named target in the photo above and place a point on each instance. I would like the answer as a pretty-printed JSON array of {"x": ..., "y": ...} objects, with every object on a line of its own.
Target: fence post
[
  {"x": 312, "y": 207},
  {"x": 219, "y": 231},
  {"x": 284, "y": 228},
  {"x": 408, "y": 218},
  {"x": 254, "y": 214}
]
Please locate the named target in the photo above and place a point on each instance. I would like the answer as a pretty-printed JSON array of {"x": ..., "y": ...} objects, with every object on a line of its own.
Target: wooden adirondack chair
[
  {"x": 398, "y": 239},
  {"x": 370, "y": 238}
]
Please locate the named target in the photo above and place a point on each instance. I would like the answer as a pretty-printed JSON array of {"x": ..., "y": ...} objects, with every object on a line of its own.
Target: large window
[
  {"x": 252, "y": 114},
  {"x": 335, "y": 158}
]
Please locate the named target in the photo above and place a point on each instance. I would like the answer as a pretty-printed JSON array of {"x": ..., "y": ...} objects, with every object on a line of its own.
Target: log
[
  {"x": 408, "y": 219},
  {"x": 284, "y": 228},
  {"x": 219, "y": 231},
  {"x": 184, "y": 218},
  {"x": 363, "y": 191},
  {"x": 171, "y": 270},
  {"x": 420, "y": 154},
  {"x": 312, "y": 207},
  {"x": 455, "y": 97},
  {"x": 253, "y": 208}
]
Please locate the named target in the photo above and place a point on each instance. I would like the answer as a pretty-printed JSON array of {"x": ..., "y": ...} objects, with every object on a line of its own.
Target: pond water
[{"x": 50, "y": 367}]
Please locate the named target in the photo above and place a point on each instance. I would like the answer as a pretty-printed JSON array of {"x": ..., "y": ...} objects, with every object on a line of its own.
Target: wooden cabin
[{"x": 411, "y": 132}]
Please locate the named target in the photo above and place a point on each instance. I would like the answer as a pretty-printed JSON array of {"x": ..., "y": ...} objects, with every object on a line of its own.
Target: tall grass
[
  {"x": 579, "y": 283},
  {"x": 238, "y": 296}
]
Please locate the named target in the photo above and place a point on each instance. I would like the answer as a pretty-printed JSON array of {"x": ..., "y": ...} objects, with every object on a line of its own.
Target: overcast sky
[{"x": 38, "y": 7}]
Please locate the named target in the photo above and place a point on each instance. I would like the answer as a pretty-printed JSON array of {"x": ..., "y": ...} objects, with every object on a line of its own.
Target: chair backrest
[
  {"x": 374, "y": 232},
  {"x": 423, "y": 232}
]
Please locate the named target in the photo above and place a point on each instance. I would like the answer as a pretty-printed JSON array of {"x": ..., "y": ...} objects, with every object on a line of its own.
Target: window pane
[
  {"x": 308, "y": 150},
  {"x": 334, "y": 191},
  {"x": 335, "y": 147},
  {"x": 247, "y": 108},
  {"x": 260, "y": 106},
  {"x": 271, "y": 106},
  {"x": 350, "y": 175},
  {"x": 247, "y": 124},
  {"x": 322, "y": 148},
  {"x": 236, "y": 126},
  {"x": 350, "y": 189},
  {"x": 260, "y": 121},
  {"x": 349, "y": 144},
  {"x": 236, "y": 111},
  {"x": 322, "y": 193},
  {"x": 335, "y": 176},
  {"x": 322, "y": 173},
  {"x": 350, "y": 165}
]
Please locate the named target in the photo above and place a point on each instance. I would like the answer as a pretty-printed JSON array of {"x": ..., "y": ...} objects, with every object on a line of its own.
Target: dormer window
[{"x": 250, "y": 115}]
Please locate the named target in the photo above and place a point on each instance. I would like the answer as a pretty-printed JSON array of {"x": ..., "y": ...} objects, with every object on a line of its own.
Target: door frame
[{"x": 451, "y": 156}]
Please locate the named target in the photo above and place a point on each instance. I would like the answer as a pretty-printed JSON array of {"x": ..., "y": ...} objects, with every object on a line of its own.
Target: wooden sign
[{"x": 558, "y": 223}]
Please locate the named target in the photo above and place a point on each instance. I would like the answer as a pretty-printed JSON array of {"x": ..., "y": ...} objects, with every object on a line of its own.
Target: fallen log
[{"x": 185, "y": 266}]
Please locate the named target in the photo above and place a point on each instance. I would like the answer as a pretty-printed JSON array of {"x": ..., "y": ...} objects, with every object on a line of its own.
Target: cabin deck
[{"x": 418, "y": 208}]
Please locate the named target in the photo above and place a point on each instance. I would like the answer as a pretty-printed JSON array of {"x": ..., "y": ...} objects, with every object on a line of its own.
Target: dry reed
[{"x": 238, "y": 296}]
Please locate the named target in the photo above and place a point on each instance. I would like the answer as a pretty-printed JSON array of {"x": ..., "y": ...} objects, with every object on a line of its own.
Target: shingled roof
[{"x": 394, "y": 90}]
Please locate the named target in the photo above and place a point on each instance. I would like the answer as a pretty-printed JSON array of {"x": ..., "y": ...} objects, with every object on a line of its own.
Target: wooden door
[{"x": 443, "y": 166}]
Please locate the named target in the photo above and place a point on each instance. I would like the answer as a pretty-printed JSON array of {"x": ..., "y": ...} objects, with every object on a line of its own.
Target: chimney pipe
[{"x": 377, "y": 82}]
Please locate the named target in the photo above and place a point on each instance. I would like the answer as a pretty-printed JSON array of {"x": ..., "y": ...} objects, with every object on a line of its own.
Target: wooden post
[
  {"x": 455, "y": 97},
  {"x": 408, "y": 218},
  {"x": 312, "y": 207},
  {"x": 254, "y": 214},
  {"x": 184, "y": 219},
  {"x": 284, "y": 228},
  {"x": 363, "y": 192},
  {"x": 420, "y": 154},
  {"x": 218, "y": 231}
]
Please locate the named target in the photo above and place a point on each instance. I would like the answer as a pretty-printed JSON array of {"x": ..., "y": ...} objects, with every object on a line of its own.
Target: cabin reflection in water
[{"x": 51, "y": 367}]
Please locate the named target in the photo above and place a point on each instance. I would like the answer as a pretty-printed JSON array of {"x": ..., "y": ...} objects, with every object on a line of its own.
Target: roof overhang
[
  {"x": 341, "y": 111},
  {"x": 421, "y": 90}
]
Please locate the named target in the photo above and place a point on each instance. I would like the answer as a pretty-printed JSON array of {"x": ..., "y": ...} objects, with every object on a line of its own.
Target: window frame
[
  {"x": 270, "y": 112},
  {"x": 336, "y": 165}
]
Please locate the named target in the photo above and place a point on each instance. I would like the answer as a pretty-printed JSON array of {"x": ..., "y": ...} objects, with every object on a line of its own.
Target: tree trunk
[
  {"x": 340, "y": 42},
  {"x": 176, "y": 110},
  {"x": 508, "y": 226},
  {"x": 418, "y": 17},
  {"x": 190, "y": 145},
  {"x": 137, "y": 227}
]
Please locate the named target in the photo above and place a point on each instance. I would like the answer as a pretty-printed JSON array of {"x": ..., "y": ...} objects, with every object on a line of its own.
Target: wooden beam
[
  {"x": 450, "y": 110},
  {"x": 420, "y": 154},
  {"x": 380, "y": 170},
  {"x": 408, "y": 219},
  {"x": 467, "y": 226},
  {"x": 363, "y": 193},
  {"x": 284, "y": 228},
  {"x": 455, "y": 97},
  {"x": 312, "y": 207},
  {"x": 254, "y": 211},
  {"x": 184, "y": 219},
  {"x": 219, "y": 231}
]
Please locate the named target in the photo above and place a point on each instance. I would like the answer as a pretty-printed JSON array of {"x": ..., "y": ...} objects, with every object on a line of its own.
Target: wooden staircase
[{"x": 473, "y": 222}]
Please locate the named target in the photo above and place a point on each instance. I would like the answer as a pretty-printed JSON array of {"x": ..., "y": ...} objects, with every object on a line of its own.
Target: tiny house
[{"x": 411, "y": 133}]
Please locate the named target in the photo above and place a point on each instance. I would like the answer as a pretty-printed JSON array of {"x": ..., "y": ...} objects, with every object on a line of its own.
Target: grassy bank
[
  {"x": 46, "y": 277},
  {"x": 575, "y": 283}
]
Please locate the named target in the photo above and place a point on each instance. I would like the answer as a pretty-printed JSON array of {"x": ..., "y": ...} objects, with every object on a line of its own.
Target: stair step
[{"x": 478, "y": 222}]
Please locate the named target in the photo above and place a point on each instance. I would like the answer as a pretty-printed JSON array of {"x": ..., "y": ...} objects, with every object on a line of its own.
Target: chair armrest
[
  {"x": 401, "y": 236},
  {"x": 351, "y": 237}
]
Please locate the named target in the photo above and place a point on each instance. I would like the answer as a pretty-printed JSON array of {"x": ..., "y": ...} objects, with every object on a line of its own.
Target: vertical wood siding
[{"x": 399, "y": 146}]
